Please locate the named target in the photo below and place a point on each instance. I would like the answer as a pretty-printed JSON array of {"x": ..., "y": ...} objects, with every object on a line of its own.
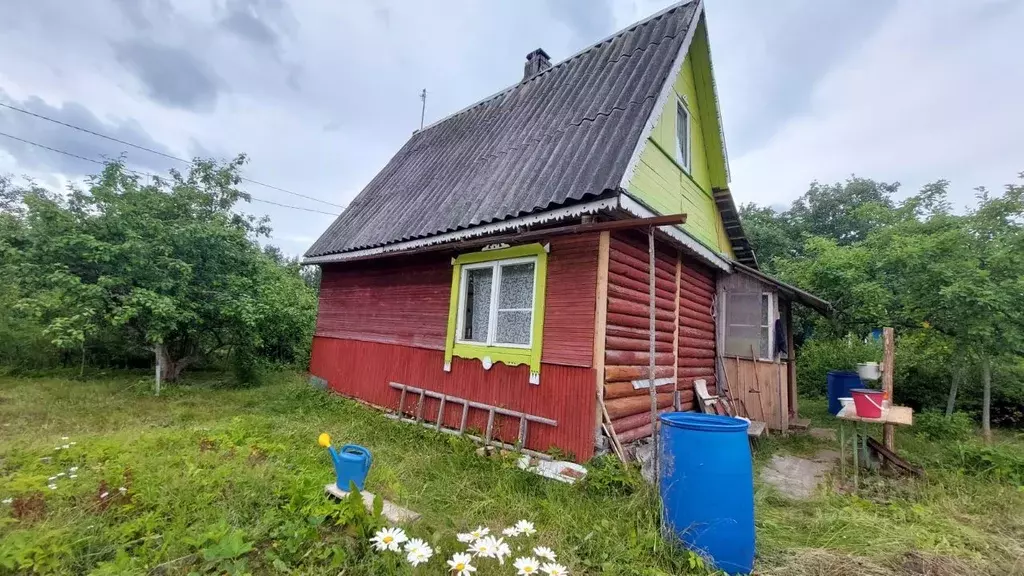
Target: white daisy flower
[
  {"x": 60, "y": 475},
  {"x": 526, "y": 566},
  {"x": 72, "y": 475},
  {"x": 389, "y": 539},
  {"x": 66, "y": 446},
  {"x": 460, "y": 564},
  {"x": 511, "y": 532},
  {"x": 465, "y": 537},
  {"x": 480, "y": 532},
  {"x": 502, "y": 552},
  {"x": 553, "y": 569},
  {"x": 544, "y": 552},
  {"x": 484, "y": 547},
  {"x": 72, "y": 443},
  {"x": 51, "y": 478},
  {"x": 418, "y": 551},
  {"x": 526, "y": 527},
  {"x": 8, "y": 500},
  {"x": 122, "y": 489},
  {"x": 65, "y": 438},
  {"x": 73, "y": 469},
  {"x": 53, "y": 486}
]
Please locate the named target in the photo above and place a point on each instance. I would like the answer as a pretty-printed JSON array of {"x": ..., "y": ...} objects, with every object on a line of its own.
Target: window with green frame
[{"x": 496, "y": 311}]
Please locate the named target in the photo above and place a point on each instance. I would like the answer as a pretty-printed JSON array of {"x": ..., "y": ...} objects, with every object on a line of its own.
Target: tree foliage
[
  {"x": 166, "y": 265},
  {"x": 951, "y": 283}
]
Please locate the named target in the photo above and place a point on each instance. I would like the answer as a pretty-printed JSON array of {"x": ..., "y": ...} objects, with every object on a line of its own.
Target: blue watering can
[{"x": 351, "y": 464}]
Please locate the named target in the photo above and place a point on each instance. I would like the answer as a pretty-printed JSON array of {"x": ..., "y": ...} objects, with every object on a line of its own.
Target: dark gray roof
[{"x": 559, "y": 137}]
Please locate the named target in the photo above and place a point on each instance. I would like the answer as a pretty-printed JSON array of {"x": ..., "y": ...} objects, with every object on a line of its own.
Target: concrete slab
[
  {"x": 798, "y": 478},
  {"x": 393, "y": 512},
  {"x": 568, "y": 472}
]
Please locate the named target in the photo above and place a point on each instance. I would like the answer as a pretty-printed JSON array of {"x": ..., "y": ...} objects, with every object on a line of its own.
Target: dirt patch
[
  {"x": 796, "y": 477},
  {"x": 29, "y": 508}
]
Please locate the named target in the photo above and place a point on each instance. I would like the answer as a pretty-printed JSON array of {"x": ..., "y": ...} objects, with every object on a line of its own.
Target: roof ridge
[{"x": 585, "y": 50}]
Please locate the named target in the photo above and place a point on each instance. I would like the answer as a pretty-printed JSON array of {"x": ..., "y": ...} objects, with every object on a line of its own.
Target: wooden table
[{"x": 899, "y": 415}]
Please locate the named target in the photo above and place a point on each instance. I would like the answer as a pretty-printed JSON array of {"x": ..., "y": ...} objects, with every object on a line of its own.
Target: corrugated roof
[{"x": 559, "y": 137}]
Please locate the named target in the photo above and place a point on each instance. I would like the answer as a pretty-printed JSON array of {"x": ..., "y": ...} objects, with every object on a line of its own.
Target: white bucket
[{"x": 869, "y": 371}]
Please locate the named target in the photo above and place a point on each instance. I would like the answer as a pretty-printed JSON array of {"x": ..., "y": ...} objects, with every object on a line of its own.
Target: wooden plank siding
[
  {"x": 566, "y": 394},
  {"x": 386, "y": 320},
  {"x": 660, "y": 181},
  {"x": 404, "y": 300}
]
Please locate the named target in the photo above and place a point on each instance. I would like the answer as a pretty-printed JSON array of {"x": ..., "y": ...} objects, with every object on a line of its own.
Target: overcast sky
[{"x": 321, "y": 93}]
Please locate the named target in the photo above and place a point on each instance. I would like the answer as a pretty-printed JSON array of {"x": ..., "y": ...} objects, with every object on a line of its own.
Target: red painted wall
[
  {"x": 565, "y": 394},
  {"x": 386, "y": 320}
]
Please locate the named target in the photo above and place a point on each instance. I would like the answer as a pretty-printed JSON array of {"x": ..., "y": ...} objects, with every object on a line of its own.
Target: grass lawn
[{"x": 230, "y": 481}]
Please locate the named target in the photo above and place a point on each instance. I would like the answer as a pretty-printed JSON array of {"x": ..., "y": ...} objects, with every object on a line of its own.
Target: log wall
[
  {"x": 627, "y": 332},
  {"x": 695, "y": 354}
]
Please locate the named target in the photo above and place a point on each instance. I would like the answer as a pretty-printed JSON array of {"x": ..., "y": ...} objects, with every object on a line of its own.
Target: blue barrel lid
[
  {"x": 705, "y": 422},
  {"x": 843, "y": 373}
]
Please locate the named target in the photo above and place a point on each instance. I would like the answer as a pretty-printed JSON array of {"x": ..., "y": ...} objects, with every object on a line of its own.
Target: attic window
[
  {"x": 496, "y": 311},
  {"x": 682, "y": 134}
]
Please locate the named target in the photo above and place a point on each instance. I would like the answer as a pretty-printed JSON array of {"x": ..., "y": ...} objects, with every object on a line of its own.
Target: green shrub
[
  {"x": 817, "y": 357},
  {"x": 1001, "y": 463},
  {"x": 608, "y": 476},
  {"x": 934, "y": 425}
]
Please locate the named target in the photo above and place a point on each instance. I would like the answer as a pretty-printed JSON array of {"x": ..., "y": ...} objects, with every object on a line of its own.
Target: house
[{"x": 495, "y": 272}]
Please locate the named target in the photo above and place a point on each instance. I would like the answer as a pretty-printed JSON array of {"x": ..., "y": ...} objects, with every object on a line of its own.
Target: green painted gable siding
[{"x": 661, "y": 183}]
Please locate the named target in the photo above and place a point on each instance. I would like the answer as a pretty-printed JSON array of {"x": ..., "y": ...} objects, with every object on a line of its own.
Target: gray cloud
[
  {"x": 783, "y": 48},
  {"x": 248, "y": 20},
  {"x": 73, "y": 141},
  {"x": 170, "y": 75},
  {"x": 588, "y": 20}
]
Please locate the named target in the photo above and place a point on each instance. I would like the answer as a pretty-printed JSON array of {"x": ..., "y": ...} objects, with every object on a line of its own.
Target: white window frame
[
  {"x": 771, "y": 326},
  {"x": 492, "y": 320},
  {"x": 684, "y": 162}
]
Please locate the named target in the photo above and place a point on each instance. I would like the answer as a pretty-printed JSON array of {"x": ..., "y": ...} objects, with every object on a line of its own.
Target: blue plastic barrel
[
  {"x": 707, "y": 487},
  {"x": 839, "y": 384}
]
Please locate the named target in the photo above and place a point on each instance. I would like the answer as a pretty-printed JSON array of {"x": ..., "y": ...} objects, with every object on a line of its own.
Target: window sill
[{"x": 488, "y": 355}]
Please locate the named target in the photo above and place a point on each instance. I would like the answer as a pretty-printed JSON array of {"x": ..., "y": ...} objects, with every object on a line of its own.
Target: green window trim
[{"x": 511, "y": 356}]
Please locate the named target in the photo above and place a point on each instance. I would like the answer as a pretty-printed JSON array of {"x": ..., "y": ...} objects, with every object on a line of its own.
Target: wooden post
[
  {"x": 675, "y": 325},
  {"x": 158, "y": 372},
  {"x": 651, "y": 387},
  {"x": 791, "y": 360},
  {"x": 889, "y": 354},
  {"x": 600, "y": 327}
]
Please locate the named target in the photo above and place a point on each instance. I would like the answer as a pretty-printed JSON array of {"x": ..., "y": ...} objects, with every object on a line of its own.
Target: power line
[
  {"x": 94, "y": 161},
  {"x": 157, "y": 152}
]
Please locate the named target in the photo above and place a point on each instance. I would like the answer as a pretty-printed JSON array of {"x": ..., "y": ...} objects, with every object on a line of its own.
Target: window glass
[
  {"x": 515, "y": 304},
  {"x": 477, "y": 312},
  {"x": 743, "y": 324},
  {"x": 513, "y": 327},
  {"x": 766, "y": 331},
  {"x": 682, "y": 135},
  {"x": 516, "y": 290}
]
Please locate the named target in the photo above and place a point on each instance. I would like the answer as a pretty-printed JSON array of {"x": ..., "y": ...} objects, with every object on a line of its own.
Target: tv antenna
[{"x": 423, "y": 109}]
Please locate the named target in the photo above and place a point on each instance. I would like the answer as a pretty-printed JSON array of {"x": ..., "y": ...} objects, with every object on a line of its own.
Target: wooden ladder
[{"x": 524, "y": 419}]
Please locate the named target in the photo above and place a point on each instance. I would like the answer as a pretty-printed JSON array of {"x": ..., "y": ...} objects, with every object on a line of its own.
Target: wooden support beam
[
  {"x": 600, "y": 330},
  {"x": 889, "y": 354},
  {"x": 791, "y": 360}
]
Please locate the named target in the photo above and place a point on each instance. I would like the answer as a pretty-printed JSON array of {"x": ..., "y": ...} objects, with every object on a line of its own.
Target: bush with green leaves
[
  {"x": 817, "y": 358},
  {"x": 934, "y": 425},
  {"x": 167, "y": 267}
]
